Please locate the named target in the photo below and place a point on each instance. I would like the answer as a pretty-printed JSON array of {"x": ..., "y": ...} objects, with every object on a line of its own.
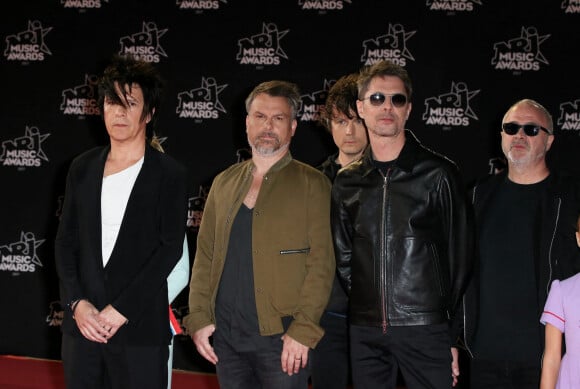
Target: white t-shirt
[{"x": 114, "y": 197}]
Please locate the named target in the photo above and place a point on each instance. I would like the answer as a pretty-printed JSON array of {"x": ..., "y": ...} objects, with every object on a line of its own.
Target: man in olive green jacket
[{"x": 264, "y": 265}]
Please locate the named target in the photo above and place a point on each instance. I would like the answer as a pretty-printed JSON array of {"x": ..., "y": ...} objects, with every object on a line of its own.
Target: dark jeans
[
  {"x": 330, "y": 358},
  {"x": 504, "y": 375},
  {"x": 90, "y": 365},
  {"x": 422, "y": 353},
  {"x": 258, "y": 368}
]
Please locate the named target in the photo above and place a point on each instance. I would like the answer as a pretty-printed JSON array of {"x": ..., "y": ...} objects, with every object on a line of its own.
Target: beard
[
  {"x": 267, "y": 144},
  {"x": 516, "y": 157}
]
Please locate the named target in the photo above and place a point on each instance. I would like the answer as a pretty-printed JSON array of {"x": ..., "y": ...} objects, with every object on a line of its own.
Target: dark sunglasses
[
  {"x": 377, "y": 99},
  {"x": 512, "y": 128}
]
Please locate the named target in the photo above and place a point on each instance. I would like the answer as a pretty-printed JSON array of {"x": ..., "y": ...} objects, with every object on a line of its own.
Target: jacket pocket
[
  {"x": 295, "y": 251},
  {"x": 288, "y": 279}
]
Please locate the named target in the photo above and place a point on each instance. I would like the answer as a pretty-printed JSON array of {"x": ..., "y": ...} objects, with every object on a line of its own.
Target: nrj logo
[
  {"x": 391, "y": 46},
  {"x": 21, "y": 256},
  {"x": 313, "y": 103},
  {"x": 144, "y": 45},
  {"x": 571, "y": 6},
  {"x": 322, "y": 5},
  {"x": 29, "y": 44},
  {"x": 521, "y": 53},
  {"x": 81, "y": 100},
  {"x": 263, "y": 48},
  {"x": 202, "y": 102},
  {"x": 452, "y": 108},
  {"x": 570, "y": 115},
  {"x": 24, "y": 151},
  {"x": 200, "y": 4},
  {"x": 452, "y": 5},
  {"x": 83, "y": 4},
  {"x": 195, "y": 208}
]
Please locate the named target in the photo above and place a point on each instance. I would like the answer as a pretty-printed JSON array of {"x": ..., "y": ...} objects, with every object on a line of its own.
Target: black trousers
[
  {"x": 90, "y": 365},
  {"x": 504, "y": 374},
  {"x": 422, "y": 353},
  {"x": 254, "y": 362},
  {"x": 330, "y": 359}
]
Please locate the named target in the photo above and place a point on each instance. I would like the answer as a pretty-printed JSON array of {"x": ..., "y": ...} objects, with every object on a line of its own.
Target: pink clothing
[{"x": 562, "y": 310}]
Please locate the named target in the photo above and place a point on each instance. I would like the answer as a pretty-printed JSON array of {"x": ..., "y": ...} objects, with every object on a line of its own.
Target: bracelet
[{"x": 73, "y": 306}]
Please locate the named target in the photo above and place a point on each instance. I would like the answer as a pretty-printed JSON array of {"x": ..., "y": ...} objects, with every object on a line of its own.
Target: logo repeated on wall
[
  {"x": 570, "y": 115},
  {"x": 201, "y": 103},
  {"x": 521, "y": 53},
  {"x": 24, "y": 151},
  {"x": 28, "y": 45},
  {"x": 452, "y": 5},
  {"x": 312, "y": 103},
  {"x": 200, "y": 5},
  {"x": 83, "y": 4},
  {"x": 322, "y": 5},
  {"x": 81, "y": 100},
  {"x": 263, "y": 48},
  {"x": 20, "y": 256},
  {"x": 195, "y": 207},
  {"x": 392, "y": 46},
  {"x": 452, "y": 108},
  {"x": 571, "y": 6},
  {"x": 144, "y": 45}
]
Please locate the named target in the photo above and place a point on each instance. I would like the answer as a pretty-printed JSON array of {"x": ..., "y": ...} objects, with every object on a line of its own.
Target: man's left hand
[
  {"x": 111, "y": 320},
  {"x": 454, "y": 364},
  {"x": 294, "y": 355}
]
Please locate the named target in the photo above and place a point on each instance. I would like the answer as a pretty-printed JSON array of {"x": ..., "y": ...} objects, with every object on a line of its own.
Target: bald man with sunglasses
[
  {"x": 525, "y": 219},
  {"x": 402, "y": 244}
]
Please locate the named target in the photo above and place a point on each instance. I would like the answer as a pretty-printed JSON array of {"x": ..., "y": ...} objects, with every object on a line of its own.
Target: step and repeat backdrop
[{"x": 469, "y": 61}]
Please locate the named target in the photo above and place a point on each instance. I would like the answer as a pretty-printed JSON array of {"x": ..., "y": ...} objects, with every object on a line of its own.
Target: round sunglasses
[
  {"x": 377, "y": 99},
  {"x": 512, "y": 128}
]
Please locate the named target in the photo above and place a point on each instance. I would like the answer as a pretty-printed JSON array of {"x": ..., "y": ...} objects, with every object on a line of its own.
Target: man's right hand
[
  {"x": 86, "y": 317},
  {"x": 201, "y": 340}
]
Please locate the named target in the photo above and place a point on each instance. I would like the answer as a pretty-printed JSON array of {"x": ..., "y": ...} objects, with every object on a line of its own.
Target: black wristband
[{"x": 73, "y": 306}]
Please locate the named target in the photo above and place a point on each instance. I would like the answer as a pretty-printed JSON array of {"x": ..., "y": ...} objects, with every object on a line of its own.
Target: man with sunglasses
[
  {"x": 401, "y": 235},
  {"x": 525, "y": 240}
]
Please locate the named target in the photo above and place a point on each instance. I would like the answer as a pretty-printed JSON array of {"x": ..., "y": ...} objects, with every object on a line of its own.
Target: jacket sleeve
[
  {"x": 67, "y": 246},
  {"x": 320, "y": 267},
  {"x": 342, "y": 237},
  {"x": 200, "y": 293},
  {"x": 458, "y": 226}
]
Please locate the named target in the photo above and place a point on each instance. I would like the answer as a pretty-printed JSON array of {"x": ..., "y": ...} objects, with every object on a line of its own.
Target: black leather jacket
[{"x": 402, "y": 240}]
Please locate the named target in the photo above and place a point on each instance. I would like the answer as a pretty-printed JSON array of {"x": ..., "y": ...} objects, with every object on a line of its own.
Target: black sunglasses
[
  {"x": 512, "y": 128},
  {"x": 377, "y": 99}
]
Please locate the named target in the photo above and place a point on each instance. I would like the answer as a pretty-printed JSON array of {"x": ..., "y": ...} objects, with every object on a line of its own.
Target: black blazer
[{"x": 148, "y": 246}]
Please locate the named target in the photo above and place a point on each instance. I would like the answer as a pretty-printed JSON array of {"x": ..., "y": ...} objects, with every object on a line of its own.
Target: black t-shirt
[
  {"x": 236, "y": 314},
  {"x": 508, "y": 320}
]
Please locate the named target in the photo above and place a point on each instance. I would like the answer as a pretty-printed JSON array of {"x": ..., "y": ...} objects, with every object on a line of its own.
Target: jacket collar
[
  {"x": 279, "y": 165},
  {"x": 406, "y": 159}
]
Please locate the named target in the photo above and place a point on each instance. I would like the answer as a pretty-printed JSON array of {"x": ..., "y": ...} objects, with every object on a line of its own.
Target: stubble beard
[
  {"x": 268, "y": 148},
  {"x": 523, "y": 160}
]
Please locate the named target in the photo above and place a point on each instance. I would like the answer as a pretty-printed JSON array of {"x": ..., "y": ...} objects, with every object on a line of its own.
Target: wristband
[{"x": 73, "y": 306}]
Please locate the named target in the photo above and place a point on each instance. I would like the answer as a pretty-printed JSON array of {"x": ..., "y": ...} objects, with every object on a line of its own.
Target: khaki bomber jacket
[{"x": 292, "y": 248}]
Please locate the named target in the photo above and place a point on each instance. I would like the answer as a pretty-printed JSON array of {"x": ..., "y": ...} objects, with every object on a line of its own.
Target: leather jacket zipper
[{"x": 383, "y": 253}]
